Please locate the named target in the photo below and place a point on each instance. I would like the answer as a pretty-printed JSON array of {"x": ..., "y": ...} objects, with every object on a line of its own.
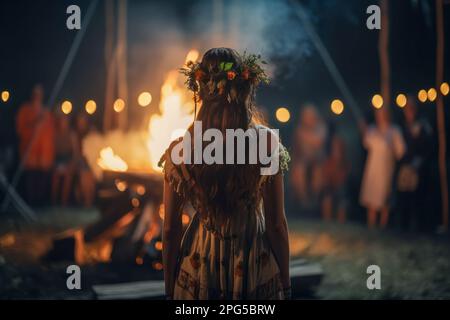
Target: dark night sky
[{"x": 35, "y": 43}]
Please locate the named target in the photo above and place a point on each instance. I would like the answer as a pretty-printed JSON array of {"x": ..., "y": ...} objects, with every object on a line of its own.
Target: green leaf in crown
[{"x": 225, "y": 66}]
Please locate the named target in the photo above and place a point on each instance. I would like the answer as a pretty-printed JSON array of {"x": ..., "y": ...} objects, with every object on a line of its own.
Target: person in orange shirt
[{"x": 35, "y": 129}]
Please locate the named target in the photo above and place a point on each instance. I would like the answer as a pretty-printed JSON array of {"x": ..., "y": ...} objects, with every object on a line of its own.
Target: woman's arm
[
  {"x": 172, "y": 234},
  {"x": 276, "y": 225}
]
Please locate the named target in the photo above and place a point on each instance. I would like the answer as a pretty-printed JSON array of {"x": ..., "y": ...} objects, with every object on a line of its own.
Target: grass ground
[{"x": 413, "y": 266}]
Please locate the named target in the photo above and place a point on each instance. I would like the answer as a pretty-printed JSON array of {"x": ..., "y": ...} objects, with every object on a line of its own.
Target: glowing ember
[
  {"x": 185, "y": 218},
  {"x": 125, "y": 220},
  {"x": 174, "y": 117},
  {"x": 135, "y": 202},
  {"x": 121, "y": 185},
  {"x": 157, "y": 266},
  {"x": 140, "y": 189},
  {"x": 158, "y": 245},
  {"x": 139, "y": 260},
  {"x": 110, "y": 161}
]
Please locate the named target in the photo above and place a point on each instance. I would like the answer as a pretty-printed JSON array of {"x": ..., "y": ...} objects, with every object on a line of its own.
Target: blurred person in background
[
  {"x": 309, "y": 152},
  {"x": 35, "y": 130},
  {"x": 412, "y": 175},
  {"x": 7, "y": 139},
  {"x": 385, "y": 146},
  {"x": 65, "y": 160},
  {"x": 85, "y": 185},
  {"x": 336, "y": 170}
]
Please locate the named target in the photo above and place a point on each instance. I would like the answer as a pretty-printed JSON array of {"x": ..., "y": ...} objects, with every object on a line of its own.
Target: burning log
[
  {"x": 129, "y": 203},
  {"x": 129, "y": 208}
]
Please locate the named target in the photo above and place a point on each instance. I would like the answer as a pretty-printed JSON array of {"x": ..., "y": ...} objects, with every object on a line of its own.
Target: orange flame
[
  {"x": 174, "y": 117},
  {"x": 110, "y": 161}
]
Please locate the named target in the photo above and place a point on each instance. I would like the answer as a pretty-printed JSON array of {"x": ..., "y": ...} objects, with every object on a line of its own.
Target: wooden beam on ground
[{"x": 305, "y": 277}]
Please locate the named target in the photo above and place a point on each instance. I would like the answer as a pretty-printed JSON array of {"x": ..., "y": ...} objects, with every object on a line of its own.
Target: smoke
[
  {"x": 161, "y": 34},
  {"x": 269, "y": 28}
]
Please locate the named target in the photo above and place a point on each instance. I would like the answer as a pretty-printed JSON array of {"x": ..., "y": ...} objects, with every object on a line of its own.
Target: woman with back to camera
[{"x": 236, "y": 246}]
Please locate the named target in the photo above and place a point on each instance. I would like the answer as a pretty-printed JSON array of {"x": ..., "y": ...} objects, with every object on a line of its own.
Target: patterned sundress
[{"x": 231, "y": 260}]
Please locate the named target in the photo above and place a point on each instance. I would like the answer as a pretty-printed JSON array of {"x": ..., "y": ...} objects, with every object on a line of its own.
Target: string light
[
  {"x": 283, "y": 115},
  {"x": 119, "y": 105},
  {"x": 337, "y": 106},
  {"x": 401, "y": 100},
  {"x": 422, "y": 96},
  {"x": 66, "y": 107},
  {"x": 432, "y": 94},
  {"x": 91, "y": 107},
  {"x": 445, "y": 88},
  {"x": 5, "y": 95},
  {"x": 144, "y": 99},
  {"x": 377, "y": 101}
]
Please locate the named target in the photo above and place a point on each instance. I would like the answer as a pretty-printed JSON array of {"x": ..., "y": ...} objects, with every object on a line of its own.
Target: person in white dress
[{"x": 385, "y": 146}]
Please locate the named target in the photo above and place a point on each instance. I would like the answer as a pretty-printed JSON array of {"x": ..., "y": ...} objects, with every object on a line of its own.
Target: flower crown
[{"x": 227, "y": 74}]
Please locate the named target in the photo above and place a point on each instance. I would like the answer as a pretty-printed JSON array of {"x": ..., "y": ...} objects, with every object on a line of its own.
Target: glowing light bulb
[
  {"x": 144, "y": 99},
  {"x": 119, "y": 105},
  {"x": 90, "y": 107},
  {"x": 5, "y": 95},
  {"x": 283, "y": 115},
  {"x": 445, "y": 89},
  {"x": 377, "y": 101},
  {"x": 422, "y": 96},
  {"x": 66, "y": 107},
  {"x": 401, "y": 100},
  {"x": 432, "y": 94},
  {"x": 337, "y": 106}
]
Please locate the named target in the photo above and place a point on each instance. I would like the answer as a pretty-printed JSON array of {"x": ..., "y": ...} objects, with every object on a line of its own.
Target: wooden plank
[
  {"x": 131, "y": 290},
  {"x": 303, "y": 274}
]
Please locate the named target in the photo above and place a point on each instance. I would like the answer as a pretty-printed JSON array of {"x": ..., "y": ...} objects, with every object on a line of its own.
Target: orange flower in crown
[{"x": 231, "y": 75}]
